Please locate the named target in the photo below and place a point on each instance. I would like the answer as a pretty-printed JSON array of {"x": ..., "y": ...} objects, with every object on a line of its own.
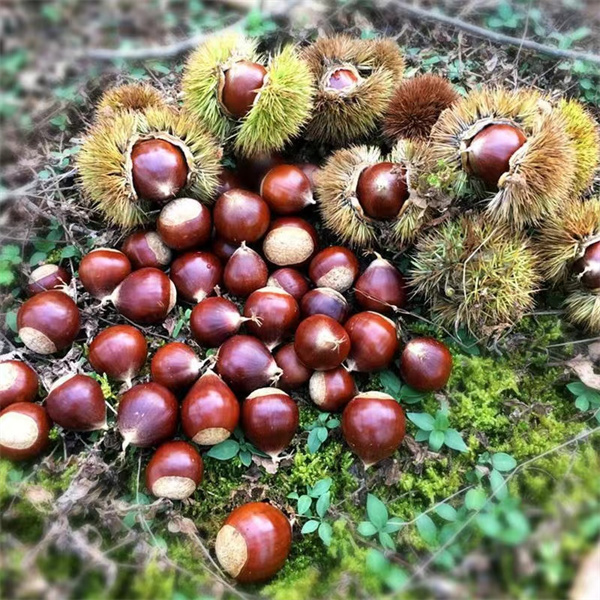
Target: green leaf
[
  {"x": 391, "y": 383},
  {"x": 37, "y": 258},
  {"x": 246, "y": 458},
  {"x": 441, "y": 421},
  {"x": 422, "y": 421},
  {"x": 582, "y": 403},
  {"x": 409, "y": 395},
  {"x": 309, "y": 527},
  {"x": 129, "y": 519},
  {"x": 224, "y": 451},
  {"x": 396, "y": 578},
  {"x": 10, "y": 251},
  {"x": 366, "y": 529},
  {"x": 436, "y": 440},
  {"x": 489, "y": 524},
  {"x": 322, "y": 433},
  {"x": 577, "y": 388},
  {"x": 69, "y": 252},
  {"x": 393, "y": 525},
  {"x": 422, "y": 435},
  {"x": 323, "y": 504},
  {"x": 377, "y": 562},
  {"x": 313, "y": 442},
  {"x": 293, "y": 495},
  {"x": 503, "y": 462},
  {"x": 333, "y": 423},
  {"x": 385, "y": 539},
  {"x": 321, "y": 487},
  {"x": 454, "y": 440},
  {"x": 475, "y": 499},
  {"x": 304, "y": 503},
  {"x": 498, "y": 484},
  {"x": 446, "y": 512},
  {"x": 325, "y": 533},
  {"x": 427, "y": 528},
  {"x": 377, "y": 511}
]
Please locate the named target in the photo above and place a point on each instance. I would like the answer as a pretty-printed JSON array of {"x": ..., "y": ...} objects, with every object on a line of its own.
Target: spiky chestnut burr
[
  {"x": 416, "y": 106},
  {"x": 356, "y": 182},
  {"x": 136, "y": 158},
  {"x": 258, "y": 102},
  {"x": 131, "y": 96},
  {"x": 493, "y": 130},
  {"x": 475, "y": 273},
  {"x": 355, "y": 80}
]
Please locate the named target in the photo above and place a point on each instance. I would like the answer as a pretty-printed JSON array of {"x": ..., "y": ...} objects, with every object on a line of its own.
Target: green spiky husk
[
  {"x": 202, "y": 76},
  {"x": 564, "y": 237},
  {"x": 341, "y": 211},
  {"x": 585, "y": 135},
  {"x": 541, "y": 172},
  {"x": 104, "y": 162},
  {"x": 133, "y": 96},
  {"x": 582, "y": 308},
  {"x": 282, "y": 107},
  {"x": 345, "y": 118},
  {"x": 475, "y": 274}
]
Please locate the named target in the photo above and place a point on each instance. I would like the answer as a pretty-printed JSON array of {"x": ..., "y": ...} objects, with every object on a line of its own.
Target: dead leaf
[{"x": 584, "y": 369}]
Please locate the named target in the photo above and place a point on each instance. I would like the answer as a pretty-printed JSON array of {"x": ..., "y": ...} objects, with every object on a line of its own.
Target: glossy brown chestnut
[
  {"x": 270, "y": 420},
  {"x": 210, "y": 411},
  {"x": 426, "y": 364},
  {"x": 373, "y": 425},
  {"x": 214, "y": 320},
  {"x": 146, "y": 249},
  {"x": 18, "y": 383},
  {"x": 587, "y": 268},
  {"x": 290, "y": 242},
  {"x": 147, "y": 415},
  {"x": 245, "y": 272},
  {"x": 290, "y": 280},
  {"x": 196, "y": 274},
  {"x": 342, "y": 80},
  {"x": 272, "y": 314},
  {"x": 48, "y": 322},
  {"x": 489, "y": 153},
  {"x": 295, "y": 374},
  {"x": 374, "y": 341},
  {"x": 246, "y": 364},
  {"x": 332, "y": 390},
  {"x": 76, "y": 403},
  {"x": 24, "y": 429},
  {"x": 119, "y": 351},
  {"x": 254, "y": 542},
  {"x": 145, "y": 296},
  {"x": 223, "y": 249},
  {"x": 325, "y": 301},
  {"x": 228, "y": 180},
  {"x": 47, "y": 277},
  {"x": 176, "y": 366},
  {"x": 382, "y": 190},
  {"x": 321, "y": 343},
  {"x": 252, "y": 169},
  {"x": 334, "y": 267},
  {"x": 241, "y": 216},
  {"x": 286, "y": 189},
  {"x": 184, "y": 223},
  {"x": 381, "y": 287},
  {"x": 159, "y": 170},
  {"x": 102, "y": 270},
  {"x": 242, "y": 82},
  {"x": 174, "y": 471}
]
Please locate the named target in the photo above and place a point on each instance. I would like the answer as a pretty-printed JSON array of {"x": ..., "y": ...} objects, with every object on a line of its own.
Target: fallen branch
[{"x": 499, "y": 38}]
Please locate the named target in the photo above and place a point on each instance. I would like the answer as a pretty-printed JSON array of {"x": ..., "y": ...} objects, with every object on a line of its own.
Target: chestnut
[
  {"x": 241, "y": 216},
  {"x": 184, "y": 223},
  {"x": 342, "y": 79},
  {"x": 119, "y": 351},
  {"x": 374, "y": 341},
  {"x": 210, "y": 411},
  {"x": 286, "y": 189},
  {"x": 252, "y": 169},
  {"x": 174, "y": 471},
  {"x": 295, "y": 374},
  {"x": 246, "y": 364},
  {"x": 381, "y": 287},
  {"x": 214, "y": 320},
  {"x": 373, "y": 425},
  {"x": 334, "y": 267},
  {"x": 102, "y": 270},
  {"x": 47, "y": 277},
  {"x": 24, "y": 430},
  {"x": 325, "y": 301},
  {"x": 272, "y": 315},
  {"x": 18, "y": 383},
  {"x": 290, "y": 242},
  {"x": 228, "y": 180},
  {"x": 321, "y": 343},
  {"x": 145, "y": 296},
  {"x": 290, "y": 280},
  {"x": 269, "y": 420},
  {"x": 254, "y": 542},
  {"x": 245, "y": 272},
  {"x": 332, "y": 390},
  {"x": 489, "y": 153},
  {"x": 159, "y": 169},
  {"x": 175, "y": 366},
  {"x": 76, "y": 403},
  {"x": 382, "y": 190},
  {"x": 587, "y": 268},
  {"x": 426, "y": 364},
  {"x": 48, "y": 322},
  {"x": 196, "y": 274},
  {"x": 223, "y": 249},
  {"x": 146, "y": 249},
  {"x": 147, "y": 415},
  {"x": 241, "y": 84}
]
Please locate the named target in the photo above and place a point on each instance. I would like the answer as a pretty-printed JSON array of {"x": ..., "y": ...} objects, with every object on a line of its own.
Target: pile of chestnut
[{"x": 296, "y": 328}]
